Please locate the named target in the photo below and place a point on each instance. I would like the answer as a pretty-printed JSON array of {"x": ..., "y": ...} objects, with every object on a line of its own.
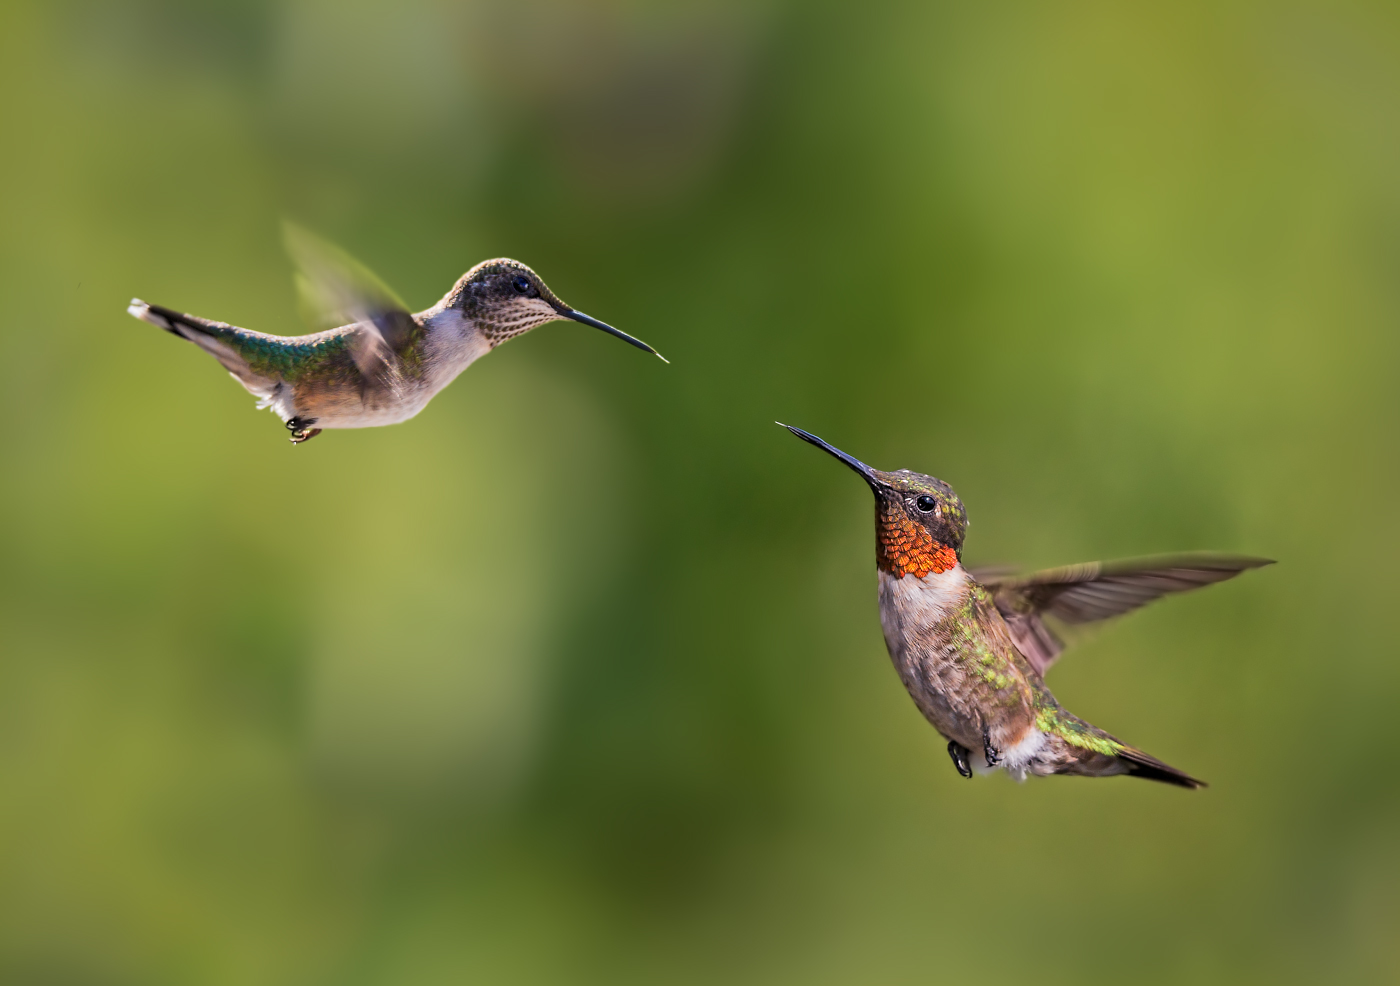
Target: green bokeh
[{"x": 578, "y": 677}]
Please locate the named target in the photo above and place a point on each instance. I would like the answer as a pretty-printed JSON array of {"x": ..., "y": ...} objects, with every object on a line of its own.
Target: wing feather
[
  {"x": 335, "y": 289},
  {"x": 1098, "y": 590}
]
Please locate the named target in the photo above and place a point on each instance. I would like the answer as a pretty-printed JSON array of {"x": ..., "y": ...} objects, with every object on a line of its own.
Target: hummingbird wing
[
  {"x": 1097, "y": 590},
  {"x": 336, "y": 289}
]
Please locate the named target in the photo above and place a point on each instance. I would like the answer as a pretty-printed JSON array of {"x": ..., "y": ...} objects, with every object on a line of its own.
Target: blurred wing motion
[
  {"x": 1098, "y": 590},
  {"x": 335, "y": 289}
]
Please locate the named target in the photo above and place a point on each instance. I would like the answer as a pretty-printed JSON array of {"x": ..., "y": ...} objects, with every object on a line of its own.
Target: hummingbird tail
[
  {"x": 1140, "y": 764},
  {"x": 219, "y": 339},
  {"x": 172, "y": 321}
]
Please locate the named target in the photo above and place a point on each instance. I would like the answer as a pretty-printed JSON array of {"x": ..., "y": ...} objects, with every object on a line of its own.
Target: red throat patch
[{"x": 903, "y": 547}]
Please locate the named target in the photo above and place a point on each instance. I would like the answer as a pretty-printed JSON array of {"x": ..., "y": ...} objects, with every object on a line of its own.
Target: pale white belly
[
  {"x": 353, "y": 414},
  {"x": 376, "y": 417},
  {"x": 909, "y": 609}
]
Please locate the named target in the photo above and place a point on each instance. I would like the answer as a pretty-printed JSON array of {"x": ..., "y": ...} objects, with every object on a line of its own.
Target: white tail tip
[{"x": 139, "y": 309}]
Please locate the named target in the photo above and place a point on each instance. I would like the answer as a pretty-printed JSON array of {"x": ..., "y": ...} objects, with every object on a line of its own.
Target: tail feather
[
  {"x": 174, "y": 322},
  {"x": 1140, "y": 764},
  {"x": 218, "y": 339}
]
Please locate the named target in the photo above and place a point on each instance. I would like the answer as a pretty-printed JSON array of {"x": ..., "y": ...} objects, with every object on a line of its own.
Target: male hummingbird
[
  {"x": 972, "y": 652},
  {"x": 385, "y": 363}
]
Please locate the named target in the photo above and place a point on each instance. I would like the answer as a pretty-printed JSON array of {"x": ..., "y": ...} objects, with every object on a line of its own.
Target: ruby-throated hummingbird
[
  {"x": 972, "y": 652},
  {"x": 385, "y": 363}
]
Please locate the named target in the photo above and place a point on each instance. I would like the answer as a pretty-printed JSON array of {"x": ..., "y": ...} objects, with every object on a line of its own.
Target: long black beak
[
  {"x": 579, "y": 316},
  {"x": 865, "y": 471}
]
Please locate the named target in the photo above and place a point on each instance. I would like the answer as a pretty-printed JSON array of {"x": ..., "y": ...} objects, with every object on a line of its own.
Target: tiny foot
[
  {"x": 301, "y": 430},
  {"x": 959, "y": 754},
  {"x": 992, "y": 754}
]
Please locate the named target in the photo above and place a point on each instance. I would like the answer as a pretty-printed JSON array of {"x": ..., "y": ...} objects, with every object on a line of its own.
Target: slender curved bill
[
  {"x": 579, "y": 316},
  {"x": 866, "y": 473}
]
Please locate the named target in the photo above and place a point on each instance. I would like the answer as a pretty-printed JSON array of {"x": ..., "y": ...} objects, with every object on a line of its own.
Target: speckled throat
[{"x": 478, "y": 301}]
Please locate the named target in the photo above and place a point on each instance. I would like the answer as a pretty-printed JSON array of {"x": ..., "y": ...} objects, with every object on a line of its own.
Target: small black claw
[
  {"x": 301, "y": 430},
  {"x": 959, "y": 754},
  {"x": 992, "y": 754}
]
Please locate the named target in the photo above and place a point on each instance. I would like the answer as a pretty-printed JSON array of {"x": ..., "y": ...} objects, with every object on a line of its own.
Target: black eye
[
  {"x": 925, "y": 503},
  {"x": 522, "y": 283}
]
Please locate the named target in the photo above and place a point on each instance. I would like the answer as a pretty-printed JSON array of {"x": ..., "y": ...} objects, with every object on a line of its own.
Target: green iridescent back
[{"x": 289, "y": 357}]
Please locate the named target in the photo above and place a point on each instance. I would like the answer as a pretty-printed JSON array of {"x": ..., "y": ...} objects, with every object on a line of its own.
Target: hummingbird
[
  {"x": 973, "y": 652},
  {"x": 384, "y": 363}
]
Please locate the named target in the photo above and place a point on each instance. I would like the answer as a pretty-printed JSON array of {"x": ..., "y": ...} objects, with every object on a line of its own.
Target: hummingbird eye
[
  {"x": 925, "y": 503},
  {"x": 521, "y": 283}
]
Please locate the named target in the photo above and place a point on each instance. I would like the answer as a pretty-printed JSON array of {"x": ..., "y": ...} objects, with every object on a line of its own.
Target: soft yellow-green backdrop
[{"x": 577, "y": 677}]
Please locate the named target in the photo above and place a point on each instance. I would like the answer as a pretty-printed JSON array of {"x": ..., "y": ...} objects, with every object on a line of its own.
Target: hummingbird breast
[{"x": 956, "y": 659}]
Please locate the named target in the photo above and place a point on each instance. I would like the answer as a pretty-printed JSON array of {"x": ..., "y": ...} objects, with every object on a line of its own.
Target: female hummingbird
[
  {"x": 972, "y": 652},
  {"x": 384, "y": 364}
]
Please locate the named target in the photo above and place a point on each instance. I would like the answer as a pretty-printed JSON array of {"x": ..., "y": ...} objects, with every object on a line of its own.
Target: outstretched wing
[
  {"x": 1098, "y": 590},
  {"x": 335, "y": 289}
]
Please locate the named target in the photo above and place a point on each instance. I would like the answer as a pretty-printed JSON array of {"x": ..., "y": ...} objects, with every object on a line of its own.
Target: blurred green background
[{"x": 578, "y": 676}]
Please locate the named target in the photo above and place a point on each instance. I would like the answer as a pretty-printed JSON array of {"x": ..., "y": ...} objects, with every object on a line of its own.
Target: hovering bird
[
  {"x": 382, "y": 364},
  {"x": 973, "y": 652}
]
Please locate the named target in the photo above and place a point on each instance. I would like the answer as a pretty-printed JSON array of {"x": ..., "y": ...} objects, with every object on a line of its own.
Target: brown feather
[
  {"x": 1150, "y": 768},
  {"x": 1098, "y": 590}
]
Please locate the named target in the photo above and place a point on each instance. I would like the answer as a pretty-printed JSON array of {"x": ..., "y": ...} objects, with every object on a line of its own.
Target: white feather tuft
[{"x": 1015, "y": 759}]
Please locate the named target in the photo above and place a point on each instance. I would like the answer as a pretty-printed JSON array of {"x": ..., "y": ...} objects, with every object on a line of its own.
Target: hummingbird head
[
  {"x": 505, "y": 299},
  {"x": 919, "y": 521}
]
